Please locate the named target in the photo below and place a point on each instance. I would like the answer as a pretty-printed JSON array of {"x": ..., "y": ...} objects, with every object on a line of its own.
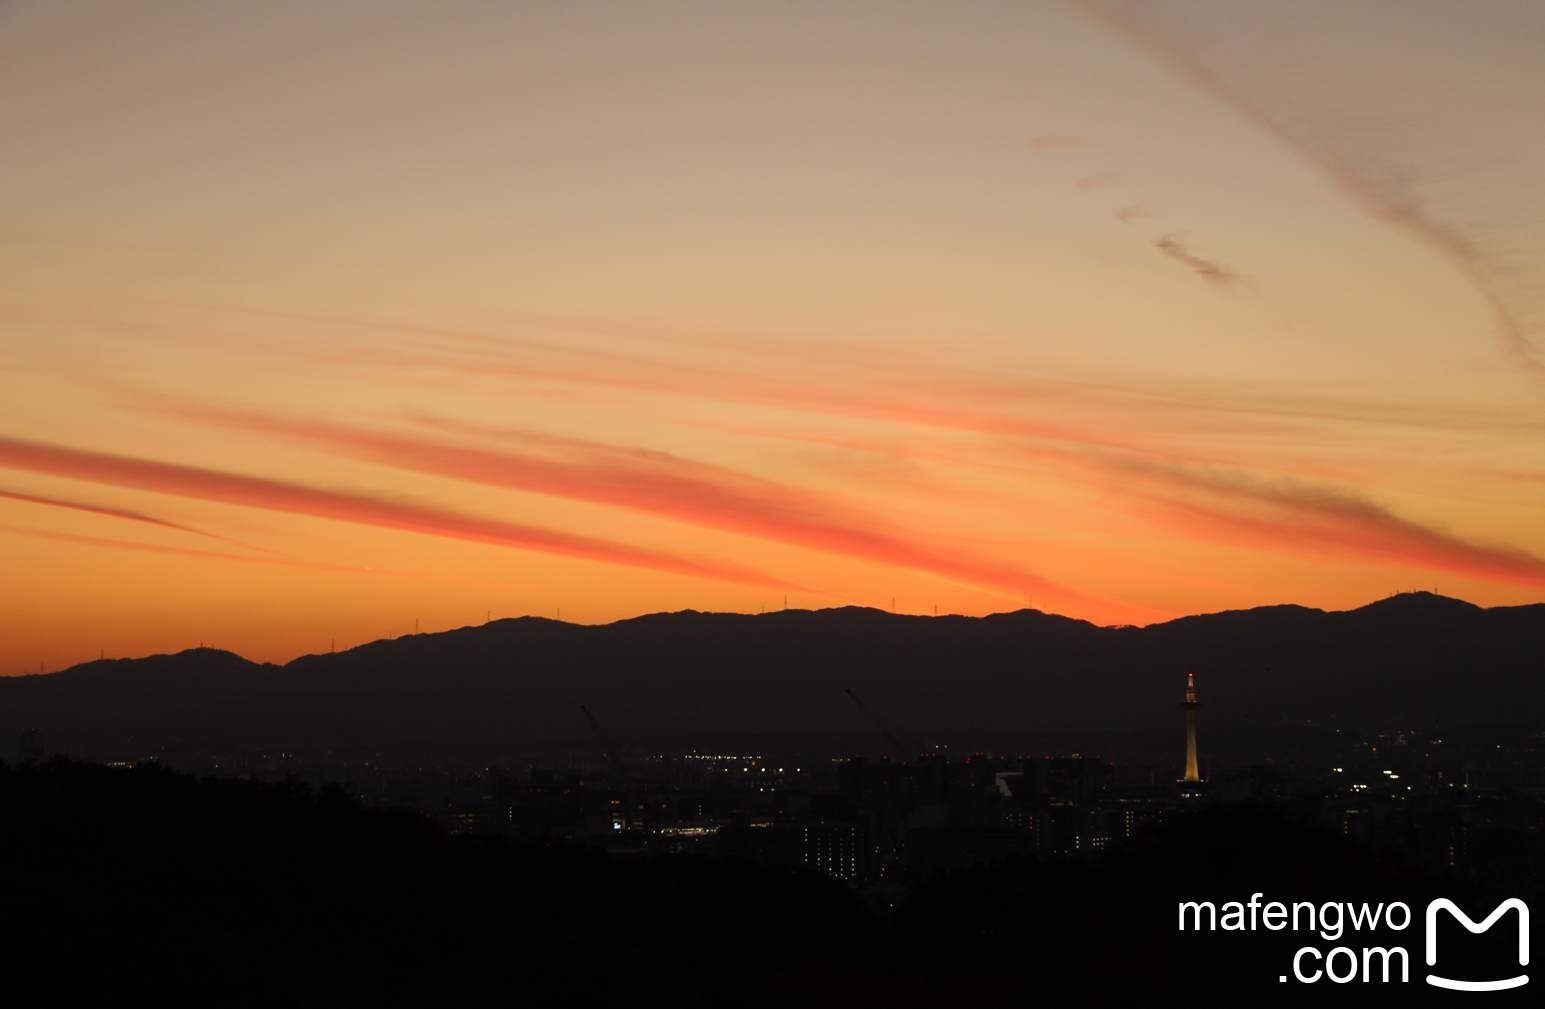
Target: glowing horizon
[{"x": 313, "y": 331}]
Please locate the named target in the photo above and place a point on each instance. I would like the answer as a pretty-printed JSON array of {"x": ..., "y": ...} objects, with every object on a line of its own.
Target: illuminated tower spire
[{"x": 1192, "y": 771}]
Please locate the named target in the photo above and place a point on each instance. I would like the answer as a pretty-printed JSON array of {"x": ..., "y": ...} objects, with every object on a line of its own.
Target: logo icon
[{"x": 1444, "y": 904}]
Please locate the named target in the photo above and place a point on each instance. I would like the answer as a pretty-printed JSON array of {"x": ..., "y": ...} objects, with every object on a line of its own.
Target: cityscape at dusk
[{"x": 771, "y": 504}]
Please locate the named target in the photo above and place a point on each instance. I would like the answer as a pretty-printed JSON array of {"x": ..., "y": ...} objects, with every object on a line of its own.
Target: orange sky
[{"x": 317, "y": 323}]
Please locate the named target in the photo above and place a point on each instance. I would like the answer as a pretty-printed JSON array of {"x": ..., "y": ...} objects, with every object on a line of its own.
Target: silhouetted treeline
[{"x": 122, "y": 882}]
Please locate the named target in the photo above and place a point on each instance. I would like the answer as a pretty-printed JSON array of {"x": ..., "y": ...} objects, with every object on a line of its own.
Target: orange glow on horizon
[{"x": 764, "y": 307}]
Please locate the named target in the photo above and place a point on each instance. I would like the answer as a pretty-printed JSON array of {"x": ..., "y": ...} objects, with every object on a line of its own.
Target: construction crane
[
  {"x": 612, "y": 756},
  {"x": 893, "y": 747}
]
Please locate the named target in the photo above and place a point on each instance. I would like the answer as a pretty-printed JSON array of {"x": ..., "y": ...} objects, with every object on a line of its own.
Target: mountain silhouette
[{"x": 1412, "y": 659}]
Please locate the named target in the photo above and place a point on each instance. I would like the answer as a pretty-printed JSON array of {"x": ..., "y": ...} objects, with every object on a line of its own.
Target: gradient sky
[{"x": 320, "y": 320}]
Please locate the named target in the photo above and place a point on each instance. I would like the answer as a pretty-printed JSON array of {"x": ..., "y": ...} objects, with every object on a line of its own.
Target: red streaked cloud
[
  {"x": 654, "y": 482},
  {"x": 275, "y": 495},
  {"x": 1292, "y": 516},
  {"x": 1277, "y": 512}
]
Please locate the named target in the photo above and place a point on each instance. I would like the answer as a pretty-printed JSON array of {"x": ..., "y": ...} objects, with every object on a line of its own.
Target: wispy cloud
[
  {"x": 118, "y": 513},
  {"x": 1209, "y": 270},
  {"x": 1379, "y": 184},
  {"x": 1119, "y": 413},
  {"x": 280, "y": 496},
  {"x": 159, "y": 548}
]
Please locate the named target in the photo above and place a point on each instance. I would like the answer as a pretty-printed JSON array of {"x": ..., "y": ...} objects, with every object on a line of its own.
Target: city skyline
[{"x": 1117, "y": 311}]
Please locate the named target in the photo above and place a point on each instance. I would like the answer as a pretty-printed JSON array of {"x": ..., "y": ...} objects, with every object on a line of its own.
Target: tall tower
[{"x": 1193, "y": 774}]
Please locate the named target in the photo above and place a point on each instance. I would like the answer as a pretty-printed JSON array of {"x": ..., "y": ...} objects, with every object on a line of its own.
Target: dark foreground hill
[
  {"x": 127, "y": 884},
  {"x": 150, "y": 883},
  {"x": 1410, "y": 659}
]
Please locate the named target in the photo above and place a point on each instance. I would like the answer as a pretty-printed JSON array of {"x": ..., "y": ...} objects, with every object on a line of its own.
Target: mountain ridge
[
  {"x": 1417, "y": 657},
  {"x": 1402, "y": 600}
]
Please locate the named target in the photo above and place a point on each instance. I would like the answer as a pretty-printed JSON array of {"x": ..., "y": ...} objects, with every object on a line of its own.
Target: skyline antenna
[{"x": 1193, "y": 771}]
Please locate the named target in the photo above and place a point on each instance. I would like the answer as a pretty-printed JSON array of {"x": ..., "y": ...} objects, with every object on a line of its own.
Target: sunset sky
[{"x": 317, "y": 320}]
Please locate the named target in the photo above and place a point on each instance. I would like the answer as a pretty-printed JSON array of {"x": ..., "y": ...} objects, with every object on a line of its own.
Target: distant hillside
[{"x": 1417, "y": 658}]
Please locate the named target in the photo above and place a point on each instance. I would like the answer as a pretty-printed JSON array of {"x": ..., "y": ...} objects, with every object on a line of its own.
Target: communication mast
[{"x": 1193, "y": 773}]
